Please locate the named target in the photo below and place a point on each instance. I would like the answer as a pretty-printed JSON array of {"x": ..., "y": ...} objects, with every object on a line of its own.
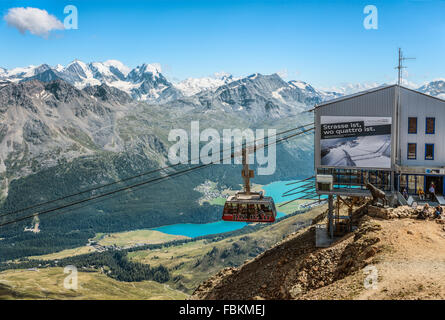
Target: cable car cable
[
  {"x": 140, "y": 184},
  {"x": 129, "y": 178}
]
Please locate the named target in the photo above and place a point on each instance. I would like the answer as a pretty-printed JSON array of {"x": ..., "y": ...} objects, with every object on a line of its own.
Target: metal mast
[
  {"x": 400, "y": 66},
  {"x": 246, "y": 173}
]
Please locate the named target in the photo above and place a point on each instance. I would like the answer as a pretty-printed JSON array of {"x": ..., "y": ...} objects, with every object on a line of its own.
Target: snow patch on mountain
[
  {"x": 16, "y": 74},
  {"x": 192, "y": 86},
  {"x": 118, "y": 65},
  {"x": 434, "y": 88},
  {"x": 145, "y": 82}
]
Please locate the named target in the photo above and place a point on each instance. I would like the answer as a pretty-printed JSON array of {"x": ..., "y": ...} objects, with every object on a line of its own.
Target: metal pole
[
  {"x": 331, "y": 215},
  {"x": 399, "y": 78},
  {"x": 246, "y": 172}
]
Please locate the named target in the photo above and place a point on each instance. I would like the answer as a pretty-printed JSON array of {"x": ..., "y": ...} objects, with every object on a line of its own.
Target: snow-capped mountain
[
  {"x": 144, "y": 82},
  {"x": 17, "y": 74},
  {"x": 435, "y": 88},
  {"x": 254, "y": 98},
  {"x": 110, "y": 70},
  {"x": 309, "y": 91},
  {"x": 192, "y": 86},
  {"x": 147, "y": 83}
]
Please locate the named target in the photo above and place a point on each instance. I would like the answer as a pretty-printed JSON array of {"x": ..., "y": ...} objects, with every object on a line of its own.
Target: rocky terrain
[{"x": 391, "y": 255}]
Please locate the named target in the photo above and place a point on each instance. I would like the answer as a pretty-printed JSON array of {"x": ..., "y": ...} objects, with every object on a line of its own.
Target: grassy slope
[
  {"x": 119, "y": 239},
  {"x": 194, "y": 262},
  {"x": 135, "y": 237},
  {"x": 48, "y": 284},
  {"x": 291, "y": 207},
  {"x": 64, "y": 253}
]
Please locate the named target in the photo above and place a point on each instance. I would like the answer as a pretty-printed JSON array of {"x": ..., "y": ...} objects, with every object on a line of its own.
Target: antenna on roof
[{"x": 401, "y": 66}]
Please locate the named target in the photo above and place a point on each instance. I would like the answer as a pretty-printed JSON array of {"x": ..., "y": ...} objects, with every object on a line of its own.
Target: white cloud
[{"x": 38, "y": 22}]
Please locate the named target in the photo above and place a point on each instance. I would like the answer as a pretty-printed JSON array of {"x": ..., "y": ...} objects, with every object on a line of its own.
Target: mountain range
[{"x": 146, "y": 82}]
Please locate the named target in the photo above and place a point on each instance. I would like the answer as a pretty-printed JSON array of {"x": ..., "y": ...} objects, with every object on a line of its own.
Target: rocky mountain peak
[
  {"x": 149, "y": 72},
  {"x": 108, "y": 94}
]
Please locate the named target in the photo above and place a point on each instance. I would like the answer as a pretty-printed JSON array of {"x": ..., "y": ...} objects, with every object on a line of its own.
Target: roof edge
[
  {"x": 358, "y": 94},
  {"x": 353, "y": 95}
]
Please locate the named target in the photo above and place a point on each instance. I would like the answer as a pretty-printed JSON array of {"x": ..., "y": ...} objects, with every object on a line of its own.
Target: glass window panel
[
  {"x": 412, "y": 125},
  {"x": 430, "y": 124},
  {"x": 402, "y": 182},
  {"x": 429, "y": 151},
  {"x": 412, "y": 151},
  {"x": 411, "y": 184},
  {"x": 420, "y": 182}
]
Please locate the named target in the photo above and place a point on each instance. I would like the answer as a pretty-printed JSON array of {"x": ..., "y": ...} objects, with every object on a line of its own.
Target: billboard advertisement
[{"x": 355, "y": 141}]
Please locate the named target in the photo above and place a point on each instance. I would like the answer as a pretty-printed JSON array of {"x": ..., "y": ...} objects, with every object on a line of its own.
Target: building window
[
  {"x": 411, "y": 184},
  {"x": 430, "y": 125},
  {"x": 412, "y": 125},
  {"x": 429, "y": 151},
  {"x": 412, "y": 151},
  {"x": 420, "y": 181},
  {"x": 402, "y": 182}
]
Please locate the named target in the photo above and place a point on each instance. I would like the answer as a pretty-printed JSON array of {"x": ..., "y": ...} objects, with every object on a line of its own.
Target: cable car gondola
[{"x": 249, "y": 206}]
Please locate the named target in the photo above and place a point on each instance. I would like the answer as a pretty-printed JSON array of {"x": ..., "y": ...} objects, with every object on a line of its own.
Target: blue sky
[{"x": 321, "y": 42}]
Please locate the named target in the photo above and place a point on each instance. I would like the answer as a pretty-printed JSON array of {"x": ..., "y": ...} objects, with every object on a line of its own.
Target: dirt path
[{"x": 413, "y": 267}]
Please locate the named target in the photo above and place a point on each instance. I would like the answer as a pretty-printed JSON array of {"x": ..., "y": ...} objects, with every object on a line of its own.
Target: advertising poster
[{"x": 355, "y": 141}]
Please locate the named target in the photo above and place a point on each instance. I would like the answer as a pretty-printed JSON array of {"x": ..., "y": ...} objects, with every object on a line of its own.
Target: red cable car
[{"x": 249, "y": 206}]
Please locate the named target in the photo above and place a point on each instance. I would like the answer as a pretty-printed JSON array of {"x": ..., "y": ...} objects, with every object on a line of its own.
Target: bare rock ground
[{"x": 406, "y": 255}]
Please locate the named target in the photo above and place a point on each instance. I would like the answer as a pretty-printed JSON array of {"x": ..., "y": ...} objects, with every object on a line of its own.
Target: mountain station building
[{"x": 391, "y": 136}]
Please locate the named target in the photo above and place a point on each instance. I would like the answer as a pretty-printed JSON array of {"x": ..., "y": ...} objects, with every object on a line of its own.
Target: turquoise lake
[
  {"x": 276, "y": 190},
  {"x": 192, "y": 230}
]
